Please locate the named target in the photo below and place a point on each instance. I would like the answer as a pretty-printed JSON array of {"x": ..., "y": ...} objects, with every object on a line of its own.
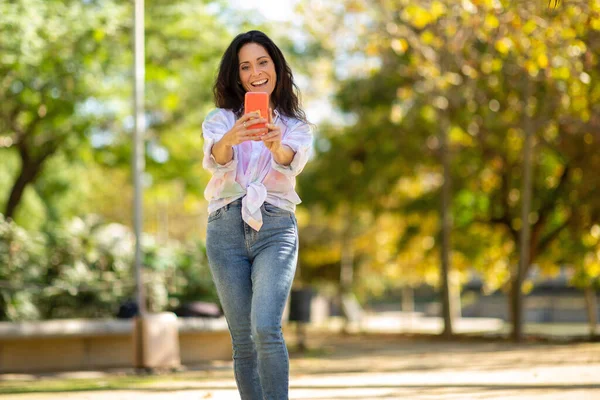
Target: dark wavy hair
[{"x": 229, "y": 93}]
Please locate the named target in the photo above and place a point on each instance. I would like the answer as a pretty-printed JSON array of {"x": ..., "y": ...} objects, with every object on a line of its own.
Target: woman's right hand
[{"x": 240, "y": 133}]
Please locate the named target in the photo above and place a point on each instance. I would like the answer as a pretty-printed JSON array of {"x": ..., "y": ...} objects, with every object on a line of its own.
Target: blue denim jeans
[{"x": 253, "y": 273}]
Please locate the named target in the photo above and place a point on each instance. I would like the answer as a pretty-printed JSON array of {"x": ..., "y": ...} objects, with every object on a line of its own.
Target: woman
[{"x": 252, "y": 234}]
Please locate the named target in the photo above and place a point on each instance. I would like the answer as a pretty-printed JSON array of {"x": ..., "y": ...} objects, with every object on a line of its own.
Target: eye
[
  {"x": 264, "y": 62},
  {"x": 245, "y": 68}
]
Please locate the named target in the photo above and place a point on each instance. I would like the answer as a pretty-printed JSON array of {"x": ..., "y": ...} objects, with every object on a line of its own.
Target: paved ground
[{"x": 388, "y": 366}]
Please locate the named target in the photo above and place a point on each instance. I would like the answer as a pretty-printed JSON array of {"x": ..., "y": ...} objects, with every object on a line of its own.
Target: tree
[
  {"x": 54, "y": 56},
  {"x": 66, "y": 105},
  {"x": 505, "y": 70}
]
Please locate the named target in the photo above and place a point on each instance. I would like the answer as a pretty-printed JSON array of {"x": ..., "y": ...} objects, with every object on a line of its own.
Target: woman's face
[{"x": 257, "y": 70}]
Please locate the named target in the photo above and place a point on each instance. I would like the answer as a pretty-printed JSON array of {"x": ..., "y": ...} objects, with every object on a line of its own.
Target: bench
[{"x": 86, "y": 344}]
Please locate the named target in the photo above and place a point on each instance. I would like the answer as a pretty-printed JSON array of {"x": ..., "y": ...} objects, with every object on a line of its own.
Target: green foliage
[
  {"x": 65, "y": 92},
  {"x": 55, "y": 56},
  {"x": 84, "y": 269},
  {"x": 22, "y": 263},
  {"x": 484, "y": 72}
]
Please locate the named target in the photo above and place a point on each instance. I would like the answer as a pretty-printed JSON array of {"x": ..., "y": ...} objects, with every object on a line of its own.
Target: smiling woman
[
  {"x": 257, "y": 70},
  {"x": 252, "y": 235},
  {"x": 252, "y": 57}
]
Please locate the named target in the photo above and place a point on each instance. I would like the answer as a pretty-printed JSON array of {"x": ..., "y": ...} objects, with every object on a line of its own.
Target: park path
[{"x": 395, "y": 367}]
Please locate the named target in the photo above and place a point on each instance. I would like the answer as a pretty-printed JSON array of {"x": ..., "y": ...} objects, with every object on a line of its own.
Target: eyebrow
[{"x": 244, "y": 62}]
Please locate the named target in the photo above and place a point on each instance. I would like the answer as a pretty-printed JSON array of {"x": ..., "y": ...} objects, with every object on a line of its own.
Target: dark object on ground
[
  {"x": 300, "y": 301},
  {"x": 198, "y": 309},
  {"x": 128, "y": 309}
]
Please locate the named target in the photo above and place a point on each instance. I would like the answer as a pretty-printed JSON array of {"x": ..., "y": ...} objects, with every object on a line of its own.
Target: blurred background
[{"x": 444, "y": 131}]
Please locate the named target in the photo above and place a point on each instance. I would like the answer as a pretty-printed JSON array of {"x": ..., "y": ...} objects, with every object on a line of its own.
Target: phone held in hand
[{"x": 257, "y": 101}]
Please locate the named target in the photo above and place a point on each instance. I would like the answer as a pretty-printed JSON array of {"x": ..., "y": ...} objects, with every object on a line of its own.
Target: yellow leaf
[
  {"x": 527, "y": 286},
  {"x": 457, "y": 135},
  {"x": 491, "y": 22},
  {"x": 427, "y": 37},
  {"x": 542, "y": 60},
  {"x": 529, "y": 27},
  {"x": 569, "y": 33},
  {"x": 99, "y": 34},
  {"x": 399, "y": 46},
  {"x": 561, "y": 73},
  {"x": 496, "y": 65},
  {"x": 503, "y": 45},
  {"x": 593, "y": 268},
  {"x": 531, "y": 67},
  {"x": 417, "y": 16},
  {"x": 437, "y": 9}
]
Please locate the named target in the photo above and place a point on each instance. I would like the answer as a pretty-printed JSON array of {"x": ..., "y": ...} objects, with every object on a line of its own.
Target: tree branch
[
  {"x": 549, "y": 205},
  {"x": 553, "y": 234}
]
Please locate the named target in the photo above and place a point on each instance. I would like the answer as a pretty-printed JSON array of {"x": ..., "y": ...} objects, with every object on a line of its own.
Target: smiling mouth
[{"x": 260, "y": 83}]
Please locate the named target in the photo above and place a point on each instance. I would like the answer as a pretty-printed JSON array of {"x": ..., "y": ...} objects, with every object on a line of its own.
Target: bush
[{"x": 84, "y": 269}]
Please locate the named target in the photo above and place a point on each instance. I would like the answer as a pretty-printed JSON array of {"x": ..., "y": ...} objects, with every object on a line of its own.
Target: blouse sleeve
[
  {"x": 299, "y": 139},
  {"x": 215, "y": 125}
]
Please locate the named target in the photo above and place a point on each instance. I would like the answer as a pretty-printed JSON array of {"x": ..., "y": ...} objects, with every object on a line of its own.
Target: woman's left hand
[{"x": 272, "y": 139}]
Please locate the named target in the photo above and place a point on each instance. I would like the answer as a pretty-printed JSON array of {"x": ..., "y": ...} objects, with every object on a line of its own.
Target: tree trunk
[
  {"x": 446, "y": 227},
  {"x": 591, "y": 306},
  {"x": 28, "y": 174},
  {"x": 524, "y": 245},
  {"x": 346, "y": 271},
  {"x": 347, "y": 263},
  {"x": 408, "y": 299},
  {"x": 455, "y": 301},
  {"x": 516, "y": 308}
]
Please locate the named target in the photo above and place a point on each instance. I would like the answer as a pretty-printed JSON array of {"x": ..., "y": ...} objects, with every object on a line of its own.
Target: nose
[{"x": 255, "y": 70}]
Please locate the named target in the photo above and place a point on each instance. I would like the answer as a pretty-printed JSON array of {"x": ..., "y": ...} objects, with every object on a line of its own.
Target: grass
[
  {"x": 128, "y": 382},
  {"x": 75, "y": 385}
]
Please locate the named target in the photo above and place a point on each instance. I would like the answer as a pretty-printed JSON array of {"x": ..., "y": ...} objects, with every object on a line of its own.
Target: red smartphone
[{"x": 257, "y": 101}]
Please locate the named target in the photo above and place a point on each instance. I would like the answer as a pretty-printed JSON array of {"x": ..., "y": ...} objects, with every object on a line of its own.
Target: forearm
[
  {"x": 284, "y": 155},
  {"x": 222, "y": 152}
]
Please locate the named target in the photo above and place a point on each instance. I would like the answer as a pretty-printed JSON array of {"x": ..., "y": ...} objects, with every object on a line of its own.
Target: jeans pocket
[
  {"x": 274, "y": 211},
  {"x": 215, "y": 215}
]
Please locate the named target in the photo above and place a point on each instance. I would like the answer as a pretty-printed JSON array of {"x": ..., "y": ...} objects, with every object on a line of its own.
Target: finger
[
  {"x": 254, "y": 136},
  {"x": 246, "y": 138},
  {"x": 246, "y": 117},
  {"x": 253, "y": 132},
  {"x": 270, "y": 140},
  {"x": 273, "y": 128},
  {"x": 253, "y": 121},
  {"x": 252, "y": 114},
  {"x": 270, "y": 137},
  {"x": 271, "y": 134}
]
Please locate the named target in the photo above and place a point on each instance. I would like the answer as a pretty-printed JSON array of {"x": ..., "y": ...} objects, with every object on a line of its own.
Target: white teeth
[{"x": 259, "y": 83}]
